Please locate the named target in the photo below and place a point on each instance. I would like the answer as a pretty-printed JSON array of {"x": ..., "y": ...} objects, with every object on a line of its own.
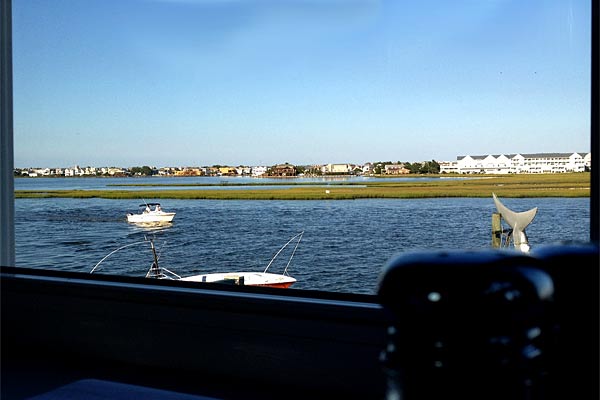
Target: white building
[
  {"x": 75, "y": 171},
  {"x": 115, "y": 171},
  {"x": 40, "y": 172},
  {"x": 259, "y": 170},
  {"x": 336, "y": 169},
  {"x": 587, "y": 161},
  {"x": 545, "y": 163},
  {"x": 90, "y": 171},
  {"x": 490, "y": 164},
  {"x": 243, "y": 171},
  {"x": 536, "y": 163},
  {"x": 449, "y": 167}
]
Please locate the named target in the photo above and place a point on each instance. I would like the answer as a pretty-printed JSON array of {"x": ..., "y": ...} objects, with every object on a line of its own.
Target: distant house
[
  {"x": 227, "y": 171},
  {"x": 396, "y": 169},
  {"x": 190, "y": 171},
  {"x": 211, "y": 171},
  {"x": 40, "y": 172},
  {"x": 112, "y": 171},
  {"x": 89, "y": 171},
  {"x": 243, "y": 171},
  {"x": 283, "y": 170},
  {"x": 259, "y": 170},
  {"x": 336, "y": 169},
  {"x": 164, "y": 171}
]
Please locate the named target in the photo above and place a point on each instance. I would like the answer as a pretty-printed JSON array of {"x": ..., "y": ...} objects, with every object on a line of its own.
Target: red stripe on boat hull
[{"x": 283, "y": 285}]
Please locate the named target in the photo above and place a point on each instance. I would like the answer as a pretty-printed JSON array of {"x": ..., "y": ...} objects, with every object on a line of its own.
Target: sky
[{"x": 233, "y": 82}]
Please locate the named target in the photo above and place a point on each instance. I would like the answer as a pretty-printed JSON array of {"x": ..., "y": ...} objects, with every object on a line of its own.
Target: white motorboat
[
  {"x": 265, "y": 279},
  {"x": 151, "y": 215}
]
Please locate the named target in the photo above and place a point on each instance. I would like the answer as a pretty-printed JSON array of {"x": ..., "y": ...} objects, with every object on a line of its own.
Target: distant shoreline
[
  {"x": 326, "y": 176},
  {"x": 523, "y": 186}
]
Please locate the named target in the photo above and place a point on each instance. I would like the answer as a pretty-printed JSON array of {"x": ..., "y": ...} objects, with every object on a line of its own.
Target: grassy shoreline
[{"x": 538, "y": 185}]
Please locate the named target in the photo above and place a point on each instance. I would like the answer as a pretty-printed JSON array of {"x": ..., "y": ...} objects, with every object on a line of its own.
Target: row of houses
[
  {"x": 536, "y": 163},
  {"x": 283, "y": 170},
  {"x": 278, "y": 170},
  {"x": 214, "y": 171},
  {"x": 364, "y": 169},
  {"x": 74, "y": 171}
]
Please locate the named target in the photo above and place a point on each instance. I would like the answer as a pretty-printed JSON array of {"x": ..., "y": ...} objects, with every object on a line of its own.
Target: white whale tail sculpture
[{"x": 518, "y": 221}]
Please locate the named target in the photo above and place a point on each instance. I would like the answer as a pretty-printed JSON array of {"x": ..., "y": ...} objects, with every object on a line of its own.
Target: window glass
[{"x": 371, "y": 127}]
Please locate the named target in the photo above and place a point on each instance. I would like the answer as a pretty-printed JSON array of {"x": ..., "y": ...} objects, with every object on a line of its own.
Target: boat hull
[
  {"x": 245, "y": 278},
  {"x": 284, "y": 285},
  {"x": 150, "y": 217}
]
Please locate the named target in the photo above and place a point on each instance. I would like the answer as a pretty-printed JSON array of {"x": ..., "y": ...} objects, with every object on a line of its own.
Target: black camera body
[{"x": 489, "y": 324}]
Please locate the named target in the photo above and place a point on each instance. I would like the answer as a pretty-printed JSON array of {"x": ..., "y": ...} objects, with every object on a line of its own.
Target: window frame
[{"x": 111, "y": 326}]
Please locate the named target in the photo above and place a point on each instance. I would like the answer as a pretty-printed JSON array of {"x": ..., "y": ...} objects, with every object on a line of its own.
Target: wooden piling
[{"x": 496, "y": 230}]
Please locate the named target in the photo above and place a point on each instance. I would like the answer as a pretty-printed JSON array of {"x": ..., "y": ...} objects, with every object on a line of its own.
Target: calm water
[
  {"x": 100, "y": 183},
  {"x": 345, "y": 244}
]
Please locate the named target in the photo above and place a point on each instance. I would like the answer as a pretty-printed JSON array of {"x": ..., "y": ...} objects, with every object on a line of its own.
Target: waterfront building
[
  {"x": 449, "y": 167},
  {"x": 259, "y": 170},
  {"x": 116, "y": 171},
  {"x": 189, "y": 171},
  {"x": 283, "y": 170},
  {"x": 523, "y": 163},
  {"x": 367, "y": 168},
  {"x": 227, "y": 171},
  {"x": 243, "y": 171},
  {"x": 336, "y": 169},
  {"x": 396, "y": 169}
]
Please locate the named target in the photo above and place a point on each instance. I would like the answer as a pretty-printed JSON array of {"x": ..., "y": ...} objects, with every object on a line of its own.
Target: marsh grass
[{"x": 538, "y": 185}]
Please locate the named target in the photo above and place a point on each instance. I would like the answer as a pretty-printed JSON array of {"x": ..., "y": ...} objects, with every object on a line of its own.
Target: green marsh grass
[{"x": 538, "y": 185}]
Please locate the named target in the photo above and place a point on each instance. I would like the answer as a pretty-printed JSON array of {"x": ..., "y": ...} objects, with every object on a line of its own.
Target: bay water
[{"x": 345, "y": 246}]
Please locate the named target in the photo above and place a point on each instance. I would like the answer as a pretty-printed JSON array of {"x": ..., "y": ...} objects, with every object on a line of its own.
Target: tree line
[{"x": 426, "y": 167}]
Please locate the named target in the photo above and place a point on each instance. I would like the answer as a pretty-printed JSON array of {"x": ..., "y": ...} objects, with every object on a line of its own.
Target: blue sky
[{"x": 203, "y": 82}]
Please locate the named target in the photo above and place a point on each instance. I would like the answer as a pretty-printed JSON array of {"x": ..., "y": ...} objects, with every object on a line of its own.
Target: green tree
[
  {"x": 145, "y": 170},
  {"x": 379, "y": 166},
  {"x": 430, "y": 167},
  {"x": 414, "y": 168},
  {"x": 314, "y": 171}
]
